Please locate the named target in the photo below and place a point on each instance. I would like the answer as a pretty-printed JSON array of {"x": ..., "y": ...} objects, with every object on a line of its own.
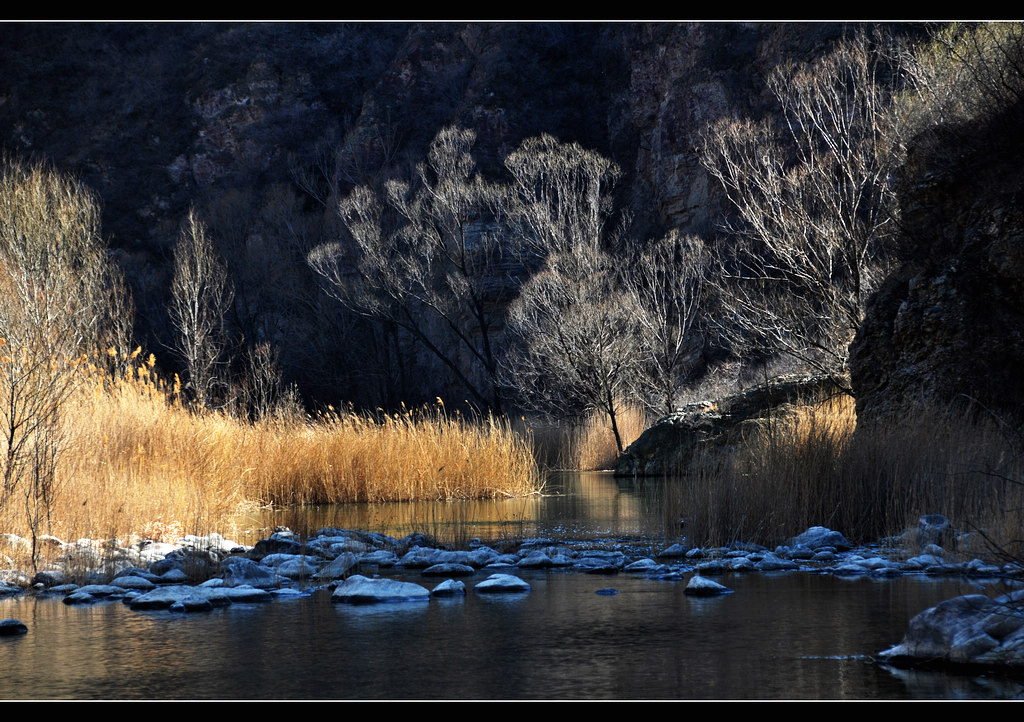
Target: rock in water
[
  {"x": 699, "y": 586},
  {"x": 11, "y": 627},
  {"x": 361, "y": 590},
  {"x": 972, "y": 629},
  {"x": 449, "y": 588},
  {"x": 502, "y": 583}
]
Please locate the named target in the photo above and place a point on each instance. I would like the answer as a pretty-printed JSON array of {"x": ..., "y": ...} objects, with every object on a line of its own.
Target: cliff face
[
  {"x": 263, "y": 127},
  {"x": 948, "y": 324},
  {"x": 156, "y": 117}
]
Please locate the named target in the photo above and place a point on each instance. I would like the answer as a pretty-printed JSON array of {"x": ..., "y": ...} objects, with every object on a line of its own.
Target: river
[{"x": 780, "y": 636}]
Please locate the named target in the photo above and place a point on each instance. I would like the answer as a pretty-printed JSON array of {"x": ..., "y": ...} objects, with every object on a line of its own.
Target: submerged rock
[
  {"x": 361, "y": 590},
  {"x": 12, "y": 627}
]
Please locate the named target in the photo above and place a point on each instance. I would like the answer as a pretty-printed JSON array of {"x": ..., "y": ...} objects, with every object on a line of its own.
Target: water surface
[{"x": 780, "y": 636}]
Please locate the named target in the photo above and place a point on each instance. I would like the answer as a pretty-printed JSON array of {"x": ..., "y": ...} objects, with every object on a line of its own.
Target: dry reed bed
[
  {"x": 812, "y": 469},
  {"x": 136, "y": 464}
]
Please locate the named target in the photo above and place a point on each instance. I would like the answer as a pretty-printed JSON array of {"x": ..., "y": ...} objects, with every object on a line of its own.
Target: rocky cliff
[
  {"x": 947, "y": 326},
  {"x": 263, "y": 127}
]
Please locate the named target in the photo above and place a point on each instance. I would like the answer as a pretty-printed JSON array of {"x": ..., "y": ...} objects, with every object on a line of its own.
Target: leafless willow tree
[
  {"x": 560, "y": 197},
  {"x": 575, "y": 337},
  {"x": 666, "y": 289},
  {"x": 428, "y": 257},
  {"x": 58, "y": 297},
  {"x": 815, "y": 204},
  {"x": 201, "y": 294}
]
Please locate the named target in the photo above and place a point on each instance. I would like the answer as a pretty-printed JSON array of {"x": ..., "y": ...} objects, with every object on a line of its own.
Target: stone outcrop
[
  {"x": 947, "y": 326},
  {"x": 671, "y": 443},
  {"x": 972, "y": 629}
]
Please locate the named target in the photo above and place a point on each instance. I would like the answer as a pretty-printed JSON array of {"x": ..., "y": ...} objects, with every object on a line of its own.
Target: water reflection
[
  {"x": 798, "y": 636},
  {"x": 573, "y": 505},
  {"x": 780, "y": 636}
]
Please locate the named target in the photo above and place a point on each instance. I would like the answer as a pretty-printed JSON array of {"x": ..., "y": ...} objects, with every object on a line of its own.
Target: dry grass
[
  {"x": 592, "y": 444},
  {"x": 586, "y": 446},
  {"x": 138, "y": 464},
  {"x": 812, "y": 469}
]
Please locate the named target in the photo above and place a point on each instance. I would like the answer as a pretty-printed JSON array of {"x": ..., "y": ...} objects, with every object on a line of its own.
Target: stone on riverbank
[
  {"x": 671, "y": 443},
  {"x": 361, "y": 590},
  {"x": 819, "y": 536}
]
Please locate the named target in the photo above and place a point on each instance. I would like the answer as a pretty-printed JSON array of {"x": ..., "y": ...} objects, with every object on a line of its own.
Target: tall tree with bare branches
[
  {"x": 201, "y": 294},
  {"x": 815, "y": 203}
]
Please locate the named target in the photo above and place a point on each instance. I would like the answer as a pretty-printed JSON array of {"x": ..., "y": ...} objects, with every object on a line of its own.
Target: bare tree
[
  {"x": 815, "y": 203},
  {"x": 201, "y": 294},
  {"x": 575, "y": 337},
  {"x": 59, "y": 293},
  {"x": 560, "y": 196},
  {"x": 665, "y": 285},
  {"x": 428, "y": 258}
]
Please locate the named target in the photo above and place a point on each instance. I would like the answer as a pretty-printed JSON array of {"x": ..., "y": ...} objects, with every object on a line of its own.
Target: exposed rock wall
[{"x": 948, "y": 325}]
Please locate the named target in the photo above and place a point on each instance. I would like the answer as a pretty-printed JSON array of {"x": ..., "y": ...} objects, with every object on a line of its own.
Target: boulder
[
  {"x": 673, "y": 441},
  {"x": 699, "y": 586},
  {"x": 358, "y": 589},
  {"x": 817, "y": 537},
  {"x": 449, "y": 570},
  {"x": 238, "y": 571},
  {"x": 972, "y": 629},
  {"x": 497, "y": 583},
  {"x": 449, "y": 588},
  {"x": 338, "y": 568}
]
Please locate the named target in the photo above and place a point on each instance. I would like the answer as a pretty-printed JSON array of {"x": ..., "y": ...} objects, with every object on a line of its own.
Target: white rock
[
  {"x": 361, "y": 590},
  {"x": 502, "y": 583},
  {"x": 703, "y": 587}
]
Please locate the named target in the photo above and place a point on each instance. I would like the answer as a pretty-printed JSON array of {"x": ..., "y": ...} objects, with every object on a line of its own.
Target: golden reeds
[
  {"x": 139, "y": 463},
  {"x": 593, "y": 442},
  {"x": 809, "y": 468}
]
